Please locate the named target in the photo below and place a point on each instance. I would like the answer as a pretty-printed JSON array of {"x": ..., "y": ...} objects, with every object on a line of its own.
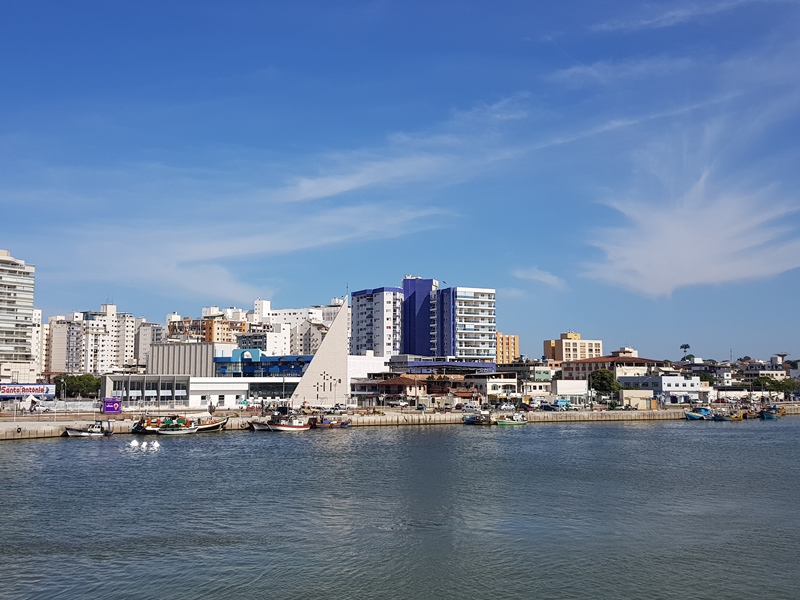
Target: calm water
[{"x": 664, "y": 510}]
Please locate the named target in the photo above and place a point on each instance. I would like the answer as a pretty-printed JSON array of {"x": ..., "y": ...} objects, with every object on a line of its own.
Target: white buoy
[
  {"x": 144, "y": 445},
  {"x": 134, "y": 443},
  {"x": 155, "y": 445}
]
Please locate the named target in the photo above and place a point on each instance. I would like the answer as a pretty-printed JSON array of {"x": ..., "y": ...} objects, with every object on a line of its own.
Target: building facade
[
  {"x": 376, "y": 321},
  {"x": 91, "y": 342},
  {"x": 570, "y": 347},
  {"x": 507, "y": 348},
  {"x": 16, "y": 317},
  {"x": 419, "y": 318},
  {"x": 465, "y": 323}
]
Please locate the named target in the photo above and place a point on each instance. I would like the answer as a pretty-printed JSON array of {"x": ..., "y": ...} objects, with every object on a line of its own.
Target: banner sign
[
  {"x": 112, "y": 405},
  {"x": 13, "y": 390}
]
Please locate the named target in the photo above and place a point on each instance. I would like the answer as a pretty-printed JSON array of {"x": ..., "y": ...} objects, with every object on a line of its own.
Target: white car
[
  {"x": 402, "y": 403},
  {"x": 507, "y": 406}
]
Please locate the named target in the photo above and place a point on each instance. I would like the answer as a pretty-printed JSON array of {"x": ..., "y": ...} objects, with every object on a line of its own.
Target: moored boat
[
  {"x": 176, "y": 429},
  {"x": 289, "y": 424},
  {"x": 482, "y": 418},
  {"x": 212, "y": 424},
  {"x": 329, "y": 422},
  {"x": 699, "y": 413},
  {"x": 281, "y": 423},
  {"x": 515, "y": 419},
  {"x": 96, "y": 429}
]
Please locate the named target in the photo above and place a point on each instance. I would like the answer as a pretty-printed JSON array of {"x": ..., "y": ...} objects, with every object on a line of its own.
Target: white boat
[
  {"x": 280, "y": 423},
  {"x": 96, "y": 429}
]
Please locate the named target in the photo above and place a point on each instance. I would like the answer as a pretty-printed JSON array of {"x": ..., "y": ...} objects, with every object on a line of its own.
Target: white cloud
[
  {"x": 674, "y": 15},
  {"x": 707, "y": 235},
  {"x": 196, "y": 261},
  {"x": 536, "y": 274},
  {"x": 609, "y": 72}
]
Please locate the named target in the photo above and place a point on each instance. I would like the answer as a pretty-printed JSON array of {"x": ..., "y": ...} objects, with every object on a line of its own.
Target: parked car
[
  {"x": 507, "y": 406},
  {"x": 459, "y": 406},
  {"x": 402, "y": 403},
  {"x": 421, "y": 407},
  {"x": 447, "y": 408}
]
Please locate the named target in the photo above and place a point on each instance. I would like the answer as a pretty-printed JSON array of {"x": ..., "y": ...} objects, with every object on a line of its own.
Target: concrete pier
[{"x": 50, "y": 426}]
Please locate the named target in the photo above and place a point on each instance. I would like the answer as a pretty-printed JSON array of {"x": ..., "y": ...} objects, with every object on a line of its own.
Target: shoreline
[{"x": 53, "y": 426}]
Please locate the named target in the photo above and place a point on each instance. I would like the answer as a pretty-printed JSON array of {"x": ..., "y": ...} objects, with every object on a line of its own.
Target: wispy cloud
[
  {"x": 707, "y": 234},
  {"x": 148, "y": 254},
  {"x": 540, "y": 276},
  {"x": 455, "y": 150},
  {"x": 610, "y": 72},
  {"x": 674, "y": 15}
]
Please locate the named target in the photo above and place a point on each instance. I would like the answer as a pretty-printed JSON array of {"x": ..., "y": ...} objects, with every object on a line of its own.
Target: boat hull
[
  {"x": 213, "y": 426},
  {"x": 72, "y": 432},
  {"x": 177, "y": 430}
]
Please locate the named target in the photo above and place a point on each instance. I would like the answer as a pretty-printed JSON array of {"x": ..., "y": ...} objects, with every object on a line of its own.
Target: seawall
[{"x": 46, "y": 426}]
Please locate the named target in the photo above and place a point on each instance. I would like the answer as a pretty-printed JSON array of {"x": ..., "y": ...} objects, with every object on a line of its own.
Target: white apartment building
[
  {"x": 16, "y": 319},
  {"x": 376, "y": 322},
  {"x": 464, "y": 321},
  {"x": 306, "y": 338},
  {"x": 146, "y": 335},
  {"x": 91, "y": 342},
  {"x": 272, "y": 340}
]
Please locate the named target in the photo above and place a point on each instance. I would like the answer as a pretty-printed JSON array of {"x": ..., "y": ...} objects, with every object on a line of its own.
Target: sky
[{"x": 626, "y": 170}]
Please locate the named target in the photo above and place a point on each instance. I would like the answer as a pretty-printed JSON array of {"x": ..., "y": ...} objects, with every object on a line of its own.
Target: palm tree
[{"x": 685, "y": 348}]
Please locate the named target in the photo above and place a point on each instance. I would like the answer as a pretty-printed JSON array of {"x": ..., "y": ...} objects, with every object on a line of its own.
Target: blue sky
[{"x": 627, "y": 170}]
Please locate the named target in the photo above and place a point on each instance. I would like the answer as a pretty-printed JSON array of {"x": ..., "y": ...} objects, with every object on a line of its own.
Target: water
[{"x": 658, "y": 510}]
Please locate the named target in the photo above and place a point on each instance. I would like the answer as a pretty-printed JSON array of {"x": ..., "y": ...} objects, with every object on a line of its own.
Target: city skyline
[{"x": 622, "y": 170}]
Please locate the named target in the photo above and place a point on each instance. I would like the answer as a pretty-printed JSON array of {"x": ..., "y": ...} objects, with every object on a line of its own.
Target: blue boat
[{"x": 699, "y": 413}]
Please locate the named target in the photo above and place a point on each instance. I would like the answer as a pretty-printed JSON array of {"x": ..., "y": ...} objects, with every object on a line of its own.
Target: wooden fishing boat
[
  {"x": 481, "y": 418},
  {"x": 329, "y": 422},
  {"x": 515, "y": 419},
  {"x": 279, "y": 423},
  {"x": 212, "y": 424}
]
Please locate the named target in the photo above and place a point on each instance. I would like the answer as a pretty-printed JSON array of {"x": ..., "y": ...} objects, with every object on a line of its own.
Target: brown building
[{"x": 507, "y": 348}]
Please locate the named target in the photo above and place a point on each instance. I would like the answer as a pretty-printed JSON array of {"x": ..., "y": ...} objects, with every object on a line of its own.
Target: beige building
[
  {"x": 571, "y": 347},
  {"x": 507, "y": 348}
]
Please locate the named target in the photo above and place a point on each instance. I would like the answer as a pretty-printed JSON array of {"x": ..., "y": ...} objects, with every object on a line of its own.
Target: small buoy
[
  {"x": 144, "y": 445},
  {"x": 19, "y": 429},
  {"x": 134, "y": 443}
]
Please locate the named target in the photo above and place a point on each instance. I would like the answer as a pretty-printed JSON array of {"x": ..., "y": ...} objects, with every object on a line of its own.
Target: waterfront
[{"x": 575, "y": 510}]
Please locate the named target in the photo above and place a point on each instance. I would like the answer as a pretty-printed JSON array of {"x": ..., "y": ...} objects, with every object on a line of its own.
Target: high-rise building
[
  {"x": 465, "y": 323},
  {"x": 18, "y": 346},
  {"x": 16, "y": 309},
  {"x": 91, "y": 342},
  {"x": 376, "y": 321},
  {"x": 419, "y": 323},
  {"x": 457, "y": 321}
]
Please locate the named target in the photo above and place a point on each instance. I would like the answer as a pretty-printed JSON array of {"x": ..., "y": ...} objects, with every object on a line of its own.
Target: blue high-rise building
[
  {"x": 419, "y": 324},
  {"x": 458, "y": 321}
]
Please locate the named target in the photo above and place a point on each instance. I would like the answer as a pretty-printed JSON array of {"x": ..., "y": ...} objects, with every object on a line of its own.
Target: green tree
[
  {"x": 602, "y": 381},
  {"x": 708, "y": 377},
  {"x": 685, "y": 349},
  {"x": 85, "y": 386}
]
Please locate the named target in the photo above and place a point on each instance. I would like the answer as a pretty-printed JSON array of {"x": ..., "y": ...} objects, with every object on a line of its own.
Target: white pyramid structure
[{"x": 325, "y": 381}]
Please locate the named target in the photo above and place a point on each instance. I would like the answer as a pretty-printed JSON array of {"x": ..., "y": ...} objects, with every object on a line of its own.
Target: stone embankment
[{"x": 47, "y": 426}]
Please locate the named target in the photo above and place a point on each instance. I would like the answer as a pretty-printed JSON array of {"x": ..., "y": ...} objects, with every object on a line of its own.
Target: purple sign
[{"x": 112, "y": 405}]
